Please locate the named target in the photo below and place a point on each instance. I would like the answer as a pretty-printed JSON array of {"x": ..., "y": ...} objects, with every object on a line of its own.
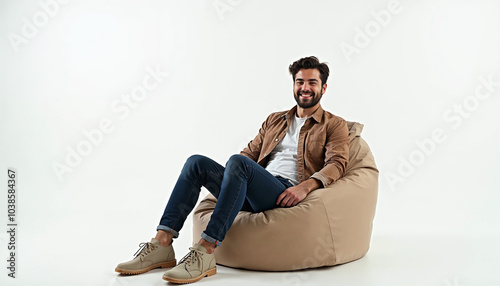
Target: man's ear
[{"x": 323, "y": 89}]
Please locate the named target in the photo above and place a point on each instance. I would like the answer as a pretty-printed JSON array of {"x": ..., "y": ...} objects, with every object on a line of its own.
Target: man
[{"x": 294, "y": 153}]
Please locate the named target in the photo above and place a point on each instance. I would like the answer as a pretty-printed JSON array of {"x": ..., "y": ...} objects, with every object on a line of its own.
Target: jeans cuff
[
  {"x": 210, "y": 239},
  {"x": 168, "y": 229}
]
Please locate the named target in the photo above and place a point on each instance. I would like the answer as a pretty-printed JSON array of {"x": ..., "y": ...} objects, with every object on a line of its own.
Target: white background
[{"x": 227, "y": 65}]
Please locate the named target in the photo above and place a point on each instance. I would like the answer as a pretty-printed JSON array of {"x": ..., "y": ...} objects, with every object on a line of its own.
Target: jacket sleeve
[
  {"x": 336, "y": 155},
  {"x": 254, "y": 148}
]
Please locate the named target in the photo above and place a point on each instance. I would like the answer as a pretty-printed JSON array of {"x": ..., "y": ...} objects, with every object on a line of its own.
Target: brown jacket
[{"x": 323, "y": 149}]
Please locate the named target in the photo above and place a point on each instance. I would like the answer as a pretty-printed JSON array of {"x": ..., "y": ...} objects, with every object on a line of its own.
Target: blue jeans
[{"x": 242, "y": 185}]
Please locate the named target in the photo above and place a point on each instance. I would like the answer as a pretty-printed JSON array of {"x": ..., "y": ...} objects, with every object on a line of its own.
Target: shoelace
[
  {"x": 191, "y": 257},
  {"x": 144, "y": 248}
]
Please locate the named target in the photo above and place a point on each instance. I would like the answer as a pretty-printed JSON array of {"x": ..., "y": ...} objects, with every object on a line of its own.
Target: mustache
[{"x": 305, "y": 92}]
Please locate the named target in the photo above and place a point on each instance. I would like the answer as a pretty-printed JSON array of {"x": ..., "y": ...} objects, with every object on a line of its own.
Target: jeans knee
[
  {"x": 193, "y": 163},
  {"x": 236, "y": 162},
  {"x": 237, "y": 158},
  {"x": 193, "y": 159}
]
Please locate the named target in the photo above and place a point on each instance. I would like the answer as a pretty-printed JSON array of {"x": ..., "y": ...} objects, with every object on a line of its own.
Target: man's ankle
[
  {"x": 165, "y": 238},
  {"x": 210, "y": 247},
  {"x": 165, "y": 243}
]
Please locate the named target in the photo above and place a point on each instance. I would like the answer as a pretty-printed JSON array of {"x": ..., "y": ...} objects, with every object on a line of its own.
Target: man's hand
[{"x": 293, "y": 195}]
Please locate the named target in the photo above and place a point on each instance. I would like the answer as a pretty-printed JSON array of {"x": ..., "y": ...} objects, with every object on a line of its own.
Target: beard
[{"x": 315, "y": 98}]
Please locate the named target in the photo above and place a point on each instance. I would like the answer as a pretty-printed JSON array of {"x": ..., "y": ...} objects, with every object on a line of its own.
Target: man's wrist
[{"x": 312, "y": 184}]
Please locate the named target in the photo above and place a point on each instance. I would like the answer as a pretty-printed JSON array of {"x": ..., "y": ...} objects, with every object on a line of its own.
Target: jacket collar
[{"x": 317, "y": 115}]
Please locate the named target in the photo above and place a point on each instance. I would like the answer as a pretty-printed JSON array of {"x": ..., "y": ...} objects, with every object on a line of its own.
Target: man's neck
[{"x": 306, "y": 112}]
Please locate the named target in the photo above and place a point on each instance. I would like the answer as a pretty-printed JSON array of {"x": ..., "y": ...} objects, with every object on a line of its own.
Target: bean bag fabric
[{"x": 330, "y": 226}]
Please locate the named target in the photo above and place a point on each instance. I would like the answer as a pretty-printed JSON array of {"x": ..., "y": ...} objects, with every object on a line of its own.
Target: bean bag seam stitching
[{"x": 331, "y": 232}]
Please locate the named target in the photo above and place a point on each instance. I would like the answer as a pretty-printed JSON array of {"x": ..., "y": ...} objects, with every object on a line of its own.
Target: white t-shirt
[{"x": 283, "y": 159}]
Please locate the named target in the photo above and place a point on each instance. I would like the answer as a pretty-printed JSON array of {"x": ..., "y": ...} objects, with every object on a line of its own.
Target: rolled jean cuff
[
  {"x": 210, "y": 239},
  {"x": 168, "y": 229}
]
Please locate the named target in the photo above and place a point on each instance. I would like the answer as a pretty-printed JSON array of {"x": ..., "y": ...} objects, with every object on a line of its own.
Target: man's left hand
[{"x": 293, "y": 195}]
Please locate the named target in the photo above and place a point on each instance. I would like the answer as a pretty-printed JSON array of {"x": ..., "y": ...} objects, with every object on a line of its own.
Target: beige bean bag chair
[{"x": 330, "y": 226}]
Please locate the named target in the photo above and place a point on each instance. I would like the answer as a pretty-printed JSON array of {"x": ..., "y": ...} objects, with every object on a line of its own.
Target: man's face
[{"x": 307, "y": 88}]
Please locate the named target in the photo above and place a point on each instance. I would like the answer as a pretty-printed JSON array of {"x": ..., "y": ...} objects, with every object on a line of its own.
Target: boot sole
[
  {"x": 168, "y": 264},
  {"x": 207, "y": 273}
]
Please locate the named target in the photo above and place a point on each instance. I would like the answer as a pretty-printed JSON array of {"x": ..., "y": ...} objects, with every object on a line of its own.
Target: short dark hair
[{"x": 311, "y": 62}]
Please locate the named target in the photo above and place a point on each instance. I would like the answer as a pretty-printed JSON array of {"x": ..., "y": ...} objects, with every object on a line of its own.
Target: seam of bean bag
[{"x": 330, "y": 228}]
